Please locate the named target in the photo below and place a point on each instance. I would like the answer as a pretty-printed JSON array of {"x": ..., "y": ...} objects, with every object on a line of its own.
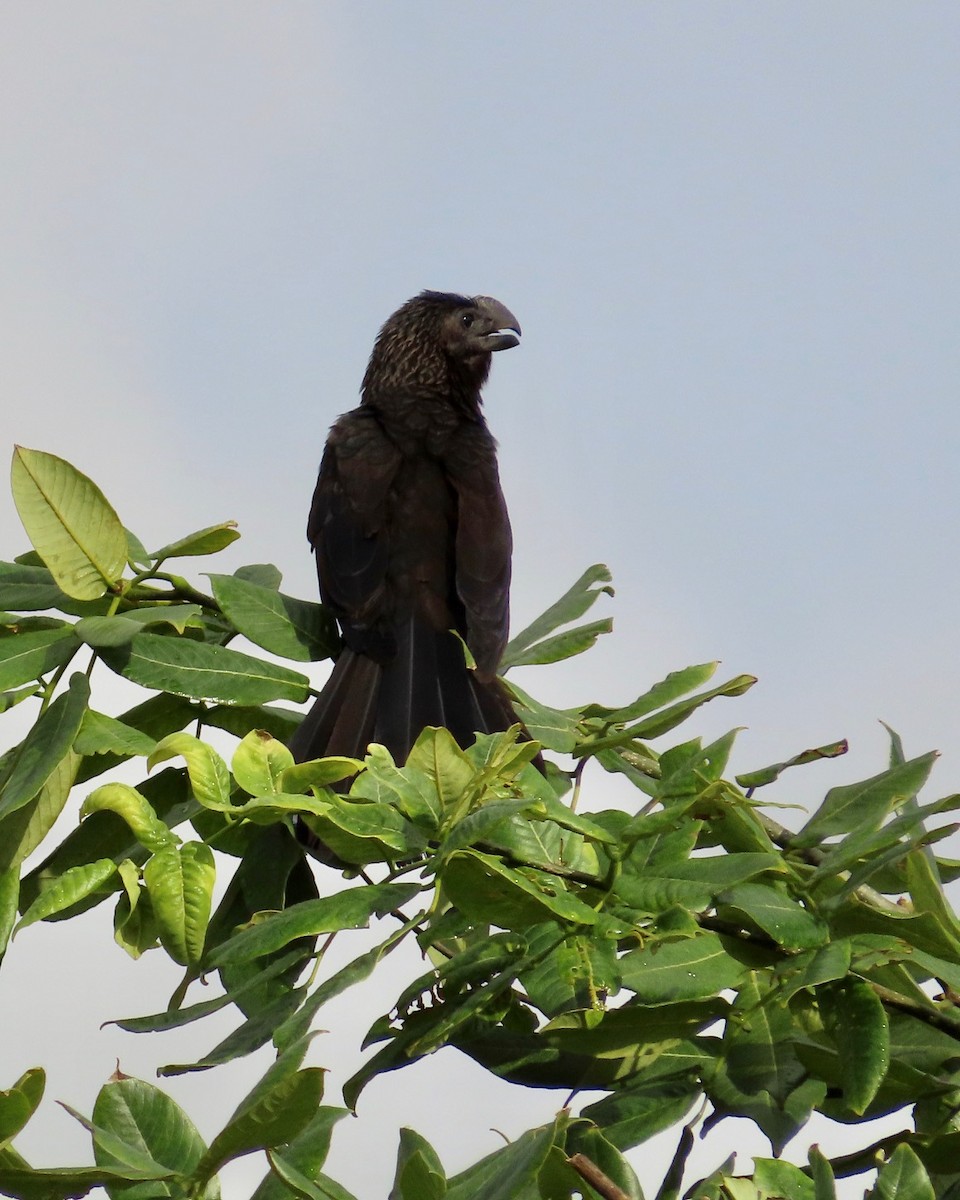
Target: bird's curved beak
[{"x": 504, "y": 328}]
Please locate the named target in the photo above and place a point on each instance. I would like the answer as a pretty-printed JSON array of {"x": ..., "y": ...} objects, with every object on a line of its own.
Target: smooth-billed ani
[{"x": 412, "y": 538}]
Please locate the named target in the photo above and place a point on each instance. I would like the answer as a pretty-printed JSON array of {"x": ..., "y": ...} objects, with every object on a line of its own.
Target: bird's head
[
  {"x": 475, "y": 326},
  {"x": 440, "y": 343}
]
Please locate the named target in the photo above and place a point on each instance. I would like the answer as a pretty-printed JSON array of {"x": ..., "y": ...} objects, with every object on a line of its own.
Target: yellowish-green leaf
[
  {"x": 259, "y": 763},
  {"x": 209, "y": 777},
  {"x": 204, "y": 541},
  {"x": 70, "y": 523},
  {"x": 135, "y": 809},
  {"x": 72, "y": 886},
  {"x": 179, "y": 881}
]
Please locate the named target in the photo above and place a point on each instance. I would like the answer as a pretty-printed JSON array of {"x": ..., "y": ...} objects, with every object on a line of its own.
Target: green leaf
[
  {"x": 126, "y": 1156},
  {"x": 357, "y": 833},
  {"x": 644, "y": 1107},
  {"x": 479, "y": 824},
  {"x": 104, "y": 632},
  {"x": 571, "y": 971},
  {"x": 179, "y": 881},
  {"x": 134, "y": 924},
  {"x": 903, "y": 1177},
  {"x": 508, "y": 1171},
  {"x": 436, "y": 753},
  {"x": 69, "y": 522},
  {"x": 9, "y": 898},
  {"x": 259, "y": 763},
  {"x": 775, "y": 912},
  {"x": 561, "y": 646},
  {"x": 487, "y": 890},
  {"x": 298, "y": 1024},
  {"x": 273, "y": 1120},
  {"x": 410, "y": 790},
  {"x": 135, "y": 809},
  {"x": 822, "y": 1171},
  {"x": 204, "y": 672},
  {"x": 45, "y": 746},
  {"x": 675, "y": 685},
  {"x": 306, "y": 1154},
  {"x": 419, "y": 1174},
  {"x": 659, "y": 723},
  {"x": 105, "y": 835},
  {"x": 10, "y": 699},
  {"x": 779, "y": 1117},
  {"x": 869, "y": 849},
  {"x": 551, "y": 727},
  {"x": 136, "y": 554},
  {"x": 693, "y": 883},
  {"x": 350, "y": 909},
  {"x": 204, "y": 541},
  {"x": 175, "y": 1018},
  {"x": 691, "y": 969},
  {"x": 774, "y": 1177},
  {"x": 765, "y": 775},
  {"x": 146, "y": 1120},
  {"x": 73, "y": 886},
  {"x": 563, "y": 815},
  {"x": 27, "y": 656},
  {"x": 119, "y": 629},
  {"x": 686, "y": 770},
  {"x": 927, "y": 892},
  {"x": 571, "y": 605},
  {"x": 319, "y": 773},
  {"x": 861, "y": 806},
  {"x": 758, "y": 1042},
  {"x": 156, "y": 717},
  {"x": 63, "y": 1183},
  {"x": 239, "y": 720},
  {"x": 320, "y": 1187},
  {"x": 594, "y": 1146},
  {"x": 292, "y": 628},
  {"x": 262, "y": 574},
  {"x": 475, "y": 983},
  {"x": 100, "y": 734},
  {"x": 255, "y": 1032},
  {"x": 177, "y": 616},
  {"x": 807, "y": 970},
  {"x": 209, "y": 777},
  {"x": 20, "y": 1102},
  {"x": 26, "y": 588},
  {"x": 21, "y": 832},
  {"x": 856, "y": 1022}
]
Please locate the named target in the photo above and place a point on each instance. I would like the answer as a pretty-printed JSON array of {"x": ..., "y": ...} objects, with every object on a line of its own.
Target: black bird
[{"x": 412, "y": 538}]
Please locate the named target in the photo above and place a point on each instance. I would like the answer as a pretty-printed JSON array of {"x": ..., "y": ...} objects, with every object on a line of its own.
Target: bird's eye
[{"x": 466, "y": 320}]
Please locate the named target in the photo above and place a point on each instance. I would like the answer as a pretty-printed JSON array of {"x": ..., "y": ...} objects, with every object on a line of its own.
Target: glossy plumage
[{"x": 412, "y": 538}]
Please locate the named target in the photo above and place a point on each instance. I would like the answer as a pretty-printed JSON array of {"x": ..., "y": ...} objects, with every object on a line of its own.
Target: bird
[{"x": 412, "y": 539}]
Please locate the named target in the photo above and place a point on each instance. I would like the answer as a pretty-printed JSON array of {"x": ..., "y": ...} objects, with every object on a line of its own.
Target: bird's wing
[
  {"x": 483, "y": 549},
  {"x": 346, "y": 526}
]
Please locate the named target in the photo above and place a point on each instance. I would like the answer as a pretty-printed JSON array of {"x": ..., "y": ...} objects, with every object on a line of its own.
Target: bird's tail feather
[
  {"x": 344, "y": 714},
  {"x": 426, "y": 683}
]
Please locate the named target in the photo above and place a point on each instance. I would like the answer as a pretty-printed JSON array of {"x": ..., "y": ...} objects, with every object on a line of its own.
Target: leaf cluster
[{"x": 682, "y": 953}]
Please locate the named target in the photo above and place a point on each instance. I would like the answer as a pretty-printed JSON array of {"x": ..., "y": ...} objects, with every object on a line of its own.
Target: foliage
[{"x": 685, "y": 953}]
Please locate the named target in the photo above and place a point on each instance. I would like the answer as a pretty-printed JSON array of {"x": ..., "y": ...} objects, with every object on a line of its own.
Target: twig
[
  {"x": 932, "y": 1016},
  {"x": 784, "y": 838},
  {"x": 600, "y": 1182}
]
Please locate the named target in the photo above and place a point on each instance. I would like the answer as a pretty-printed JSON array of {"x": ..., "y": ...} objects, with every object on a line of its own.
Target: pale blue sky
[{"x": 729, "y": 231}]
